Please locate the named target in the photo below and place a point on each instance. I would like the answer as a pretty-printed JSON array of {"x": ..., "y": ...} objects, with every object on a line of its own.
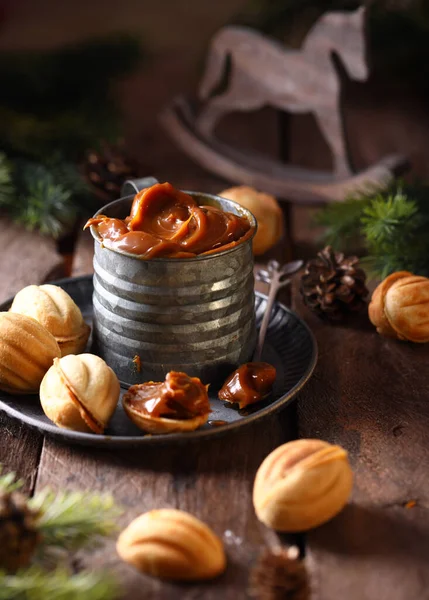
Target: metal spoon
[{"x": 277, "y": 277}]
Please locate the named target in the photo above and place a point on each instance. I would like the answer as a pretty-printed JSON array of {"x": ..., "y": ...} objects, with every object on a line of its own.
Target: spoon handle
[{"x": 277, "y": 277}]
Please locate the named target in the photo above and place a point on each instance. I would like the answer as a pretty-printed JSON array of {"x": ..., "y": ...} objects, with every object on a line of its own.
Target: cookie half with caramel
[{"x": 178, "y": 404}]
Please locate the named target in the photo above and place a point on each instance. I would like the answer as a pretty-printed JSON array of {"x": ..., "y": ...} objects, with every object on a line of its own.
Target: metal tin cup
[{"x": 194, "y": 315}]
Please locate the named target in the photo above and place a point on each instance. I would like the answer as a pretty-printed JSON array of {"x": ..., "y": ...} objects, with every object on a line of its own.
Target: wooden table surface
[{"x": 368, "y": 394}]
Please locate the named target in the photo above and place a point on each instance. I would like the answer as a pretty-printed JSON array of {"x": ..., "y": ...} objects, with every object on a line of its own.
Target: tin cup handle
[{"x": 134, "y": 186}]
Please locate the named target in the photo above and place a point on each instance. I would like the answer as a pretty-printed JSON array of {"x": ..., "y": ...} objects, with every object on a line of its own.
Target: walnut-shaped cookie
[
  {"x": 178, "y": 404},
  {"x": 399, "y": 307},
  {"x": 27, "y": 350},
  {"x": 55, "y": 310},
  {"x": 80, "y": 393},
  {"x": 172, "y": 544},
  {"x": 301, "y": 485},
  {"x": 265, "y": 209}
]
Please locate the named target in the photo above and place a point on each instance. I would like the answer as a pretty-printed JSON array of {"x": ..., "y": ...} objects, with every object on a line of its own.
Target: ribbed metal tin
[{"x": 194, "y": 315}]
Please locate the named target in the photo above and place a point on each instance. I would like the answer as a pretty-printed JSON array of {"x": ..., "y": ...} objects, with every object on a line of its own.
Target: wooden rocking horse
[{"x": 263, "y": 72}]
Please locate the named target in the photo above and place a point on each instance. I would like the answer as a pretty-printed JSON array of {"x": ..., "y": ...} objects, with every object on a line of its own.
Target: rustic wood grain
[
  {"x": 83, "y": 255},
  {"x": 212, "y": 480},
  {"x": 27, "y": 258},
  {"x": 370, "y": 395},
  {"x": 284, "y": 181},
  {"x": 20, "y": 450}
]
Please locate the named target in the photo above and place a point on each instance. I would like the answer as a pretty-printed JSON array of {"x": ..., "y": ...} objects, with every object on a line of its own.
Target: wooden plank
[
  {"x": 369, "y": 394},
  {"x": 83, "y": 255},
  {"x": 285, "y": 181},
  {"x": 20, "y": 450},
  {"x": 27, "y": 258},
  {"x": 212, "y": 480}
]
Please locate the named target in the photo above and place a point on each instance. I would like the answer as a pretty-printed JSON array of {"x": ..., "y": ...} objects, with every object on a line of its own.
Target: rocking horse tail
[{"x": 215, "y": 64}]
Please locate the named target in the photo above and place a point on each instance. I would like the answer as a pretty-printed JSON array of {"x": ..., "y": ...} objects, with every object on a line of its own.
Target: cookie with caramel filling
[
  {"x": 80, "y": 393},
  {"x": 53, "y": 308},
  {"x": 399, "y": 307}
]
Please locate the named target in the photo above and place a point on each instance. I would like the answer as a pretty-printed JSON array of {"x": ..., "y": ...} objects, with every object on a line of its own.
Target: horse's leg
[
  {"x": 330, "y": 123},
  {"x": 241, "y": 95},
  {"x": 211, "y": 113}
]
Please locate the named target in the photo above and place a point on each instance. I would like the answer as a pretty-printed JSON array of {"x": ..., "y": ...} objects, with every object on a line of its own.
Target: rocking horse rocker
[{"x": 262, "y": 72}]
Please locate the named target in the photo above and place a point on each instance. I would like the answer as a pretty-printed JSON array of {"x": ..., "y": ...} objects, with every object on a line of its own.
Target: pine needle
[
  {"x": 9, "y": 483},
  {"x": 392, "y": 226},
  {"x": 7, "y": 190},
  {"x": 71, "y": 520},
  {"x": 341, "y": 221},
  {"x": 36, "y": 584}
]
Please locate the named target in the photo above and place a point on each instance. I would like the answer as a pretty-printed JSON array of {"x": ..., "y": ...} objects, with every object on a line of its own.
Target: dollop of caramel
[
  {"x": 250, "y": 383},
  {"x": 165, "y": 222},
  {"x": 178, "y": 397}
]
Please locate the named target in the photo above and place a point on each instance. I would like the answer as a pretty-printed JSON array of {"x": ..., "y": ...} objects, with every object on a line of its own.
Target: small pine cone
[
  {"x": 18, "y": 531},
  {"x": 333, "y": 285},
  {"x": 279, "y": 575},
  {"x": 106, "y": 171}
]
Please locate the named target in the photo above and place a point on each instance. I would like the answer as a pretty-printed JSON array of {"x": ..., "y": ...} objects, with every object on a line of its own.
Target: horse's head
[{"x": 348, "y": 40}]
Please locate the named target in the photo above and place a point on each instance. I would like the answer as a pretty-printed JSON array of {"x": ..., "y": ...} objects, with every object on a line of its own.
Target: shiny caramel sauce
[
  {"x": 165, "y": 222},
  {"x": 217, "y": 423},
  {"x": 178, "y": 397},
  {"x": 250, "y": 383}
]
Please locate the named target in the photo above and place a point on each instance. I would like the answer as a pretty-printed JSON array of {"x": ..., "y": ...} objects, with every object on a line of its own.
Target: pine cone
[
  {"x": 333, "y": 285},
  {"x": 278, "y": 576},
  {"x": 107, "y": 170},
  {"x": 18, "y": 531}
]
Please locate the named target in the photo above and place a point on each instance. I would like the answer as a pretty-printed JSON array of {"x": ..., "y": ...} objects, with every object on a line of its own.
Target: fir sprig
[
  {"x": 36, "y": 584},
  {"x": 396, "y": 235},
  {"x": 7, "y": 191},
  {"x": 8, "y": 482},
  {"x": 45, "y": 205},
  {"x": 47, "y": 198},
  {"x": 71, "y": 520},
  {"x": 391, "y": 226},
  {"x": 341, "y": 222}
]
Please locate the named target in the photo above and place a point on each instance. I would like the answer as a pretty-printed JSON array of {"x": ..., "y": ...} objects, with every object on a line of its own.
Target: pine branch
[
  {"x": 42, "y": 203},
  {"x": 341, "y": 221},
  {"x": 36, "y": 584},
  {"x": 386, "y": 217},
  {"x": 396, "y": 235},
  {"x": 8, "y": 482},
  {"x": 70, "y": 520},
  {"x": 392, "y": 226},
  {"x": 7, "y": 191}
]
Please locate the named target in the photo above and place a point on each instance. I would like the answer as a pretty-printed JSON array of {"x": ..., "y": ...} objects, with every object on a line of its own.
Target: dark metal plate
[{"x": 290, "y": 347}]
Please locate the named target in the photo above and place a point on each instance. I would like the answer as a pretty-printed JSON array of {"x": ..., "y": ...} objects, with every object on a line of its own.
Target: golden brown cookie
[
  {"x": 55, "y": 310},
  {"x": 376, "y": 306},
  {"x": 301, "y": 485},
  {"x": 265, "y": 209},
  {"x": 172, "y": 544},
  {"x": 399, "y": 307},
  {"x": 80, "y": 393},
  {"x": 27, "y": 350}
]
